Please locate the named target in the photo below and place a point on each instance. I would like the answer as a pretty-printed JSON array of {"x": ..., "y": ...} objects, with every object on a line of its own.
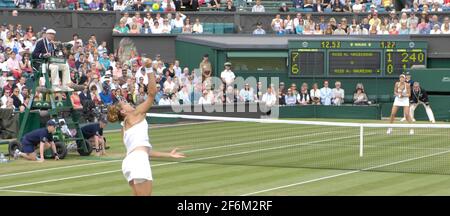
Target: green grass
[{"x": 254, "y": 159}]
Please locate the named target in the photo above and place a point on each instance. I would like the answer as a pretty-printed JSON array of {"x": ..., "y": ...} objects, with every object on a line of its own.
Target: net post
[{"x": 361, "y": 140}]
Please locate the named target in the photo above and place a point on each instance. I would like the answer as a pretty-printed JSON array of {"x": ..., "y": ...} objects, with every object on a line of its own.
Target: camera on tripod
[{"x": 62, "y": 49}]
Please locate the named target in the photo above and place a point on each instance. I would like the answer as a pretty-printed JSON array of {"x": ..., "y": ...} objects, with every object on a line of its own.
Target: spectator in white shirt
[
  {"x": 128, "y": 19},
  {"x": 338, "y": 94},
  {"x": 259, "y": 30},
  {"x": 184, "y": 77},
  {"x": 258, "y": 7},
  {"x": 165, "y": 100},
  {"x": 315, "y": 94},
  {"x": 3, "y": 32},
  {"x": 142, "y": 72},
  {"x": 204, "y": 99},
  {"x": 102, "y": 48},
  {"x": 156, "y": 29},
  {"x": 166, "y": 28},
  {"x": 119, "y": 5},
  {"x": 325, "y": 94},
  {"x": 357, "y": 7},
  {"x": 178, "y": 22},
  {"x": 445, "y": 28},
  {"x": 269, "y": 98},
  {"x": 303, "y": 97},
  {"x": 197, "y": 28},
  {"x": 165, "y": 4},
  {"x": 436, "y": 29},
  {"x": 177, "y": 68},
  {"x": 159, "y": 19},
  {"x": 184, "y": 95},
  {"x": 290, "y": 98},
  {"x": 246, "y": 94},
  {"x": 227, "y": 75},
  {"x": 75, "y": 39},
  {"x": 148, "y": 18},
  {"x": 169, "y": 86}
]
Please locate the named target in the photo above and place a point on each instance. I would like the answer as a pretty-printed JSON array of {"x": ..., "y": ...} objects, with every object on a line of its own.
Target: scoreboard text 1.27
[{"x": 354, "y": 58}]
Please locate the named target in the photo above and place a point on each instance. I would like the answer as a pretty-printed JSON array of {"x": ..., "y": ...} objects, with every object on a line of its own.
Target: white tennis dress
[
  {"x": 136, "y": 165},
  {"x": 401, "y": 101}
]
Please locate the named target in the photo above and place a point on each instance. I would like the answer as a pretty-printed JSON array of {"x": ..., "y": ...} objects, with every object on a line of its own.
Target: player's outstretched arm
[
  {"x": 147, "y": 104},
  {"x": 172, "y": 154}
]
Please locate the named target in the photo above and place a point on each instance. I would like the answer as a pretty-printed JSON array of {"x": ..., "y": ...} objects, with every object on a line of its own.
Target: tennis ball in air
[{"x": 155, "y": 6}]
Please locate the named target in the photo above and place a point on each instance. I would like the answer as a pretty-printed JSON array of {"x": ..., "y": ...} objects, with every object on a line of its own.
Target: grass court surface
[{"x": 235, "y": 158}]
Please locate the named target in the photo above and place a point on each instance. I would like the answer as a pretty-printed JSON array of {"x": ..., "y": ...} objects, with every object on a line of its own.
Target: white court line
[
  {"x": 169, "y": 163},
  {"x": 192, "y": 150},
  {"x": 258, "y": 141},
  {"x": 342, "y": 174},
  {"x": 56, "y": 168},
  {"x": 166, "y": 126},
  {"x": 47, "y": 193},
  {"x": 212, "y": 157},
  {"x": 55, "y": 180}
]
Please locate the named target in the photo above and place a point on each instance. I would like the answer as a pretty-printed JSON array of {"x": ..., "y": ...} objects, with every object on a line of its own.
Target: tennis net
[{"x": 307, "y": 144}]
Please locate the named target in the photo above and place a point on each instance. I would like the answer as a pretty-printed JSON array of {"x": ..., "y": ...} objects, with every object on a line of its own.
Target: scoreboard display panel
[
  {"x": 308, "y": 62},
  {"x": 354, "y": 63},
  {"x": 354, "y": 58}
]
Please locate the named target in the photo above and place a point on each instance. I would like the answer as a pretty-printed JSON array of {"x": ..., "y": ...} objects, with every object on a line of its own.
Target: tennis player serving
[{"x": 136, "y": 165}]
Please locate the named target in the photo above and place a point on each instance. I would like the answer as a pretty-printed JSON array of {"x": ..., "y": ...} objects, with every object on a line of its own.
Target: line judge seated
[{"x": 45, "y": 48}]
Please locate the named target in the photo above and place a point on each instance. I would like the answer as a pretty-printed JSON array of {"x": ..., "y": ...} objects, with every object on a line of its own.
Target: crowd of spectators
[
  {"x": 106, "y": 80},
  {"x": 118, "y": 5},
  {"x": 158, "y": 24},
  {"x": 320, "y": 6},
  {"x": 406, "y": 23},
  {"x": 146, "y": 18},
  {"x": 320, "y": 96},
  {"x": 95, "y": 65}
]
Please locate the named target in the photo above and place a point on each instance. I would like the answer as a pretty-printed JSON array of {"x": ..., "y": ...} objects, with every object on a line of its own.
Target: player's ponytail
[{"x": 114, "y": 113}]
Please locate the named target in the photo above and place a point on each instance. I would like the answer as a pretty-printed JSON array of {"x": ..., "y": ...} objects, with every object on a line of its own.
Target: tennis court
[{"x": 251, "y": 158}]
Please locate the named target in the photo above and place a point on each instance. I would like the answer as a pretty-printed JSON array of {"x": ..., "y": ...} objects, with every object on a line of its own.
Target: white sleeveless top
[
  {"x": 136, "y": 136},
  {"x": 401, "y": 101}
]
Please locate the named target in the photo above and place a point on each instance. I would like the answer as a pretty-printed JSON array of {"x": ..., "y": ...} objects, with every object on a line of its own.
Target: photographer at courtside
[{"x": 45, "y": 48}]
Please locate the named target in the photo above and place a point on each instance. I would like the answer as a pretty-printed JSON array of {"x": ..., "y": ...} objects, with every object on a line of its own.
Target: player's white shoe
[
  {"x": 411, "y": 131},
  {"x": 389, "y": 131},
  {"x": 403, "y": 119}
]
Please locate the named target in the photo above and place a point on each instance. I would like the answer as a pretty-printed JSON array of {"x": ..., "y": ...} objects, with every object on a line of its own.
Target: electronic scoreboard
[{"x": 354, "y": 58}]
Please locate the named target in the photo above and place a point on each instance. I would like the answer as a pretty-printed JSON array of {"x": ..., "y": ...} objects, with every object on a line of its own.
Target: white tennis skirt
[
  {"x": 136, "y": 166},
  {"x": 401, "y": 102}
]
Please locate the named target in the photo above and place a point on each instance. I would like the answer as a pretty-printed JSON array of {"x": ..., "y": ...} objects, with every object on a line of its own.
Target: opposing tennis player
[
  {"x": 402, "y": 92},
  {"x": 136, "y": 165}
]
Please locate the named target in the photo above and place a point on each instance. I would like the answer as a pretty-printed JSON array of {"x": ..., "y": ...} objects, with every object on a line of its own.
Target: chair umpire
[{"x": 46, "y": 49}]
